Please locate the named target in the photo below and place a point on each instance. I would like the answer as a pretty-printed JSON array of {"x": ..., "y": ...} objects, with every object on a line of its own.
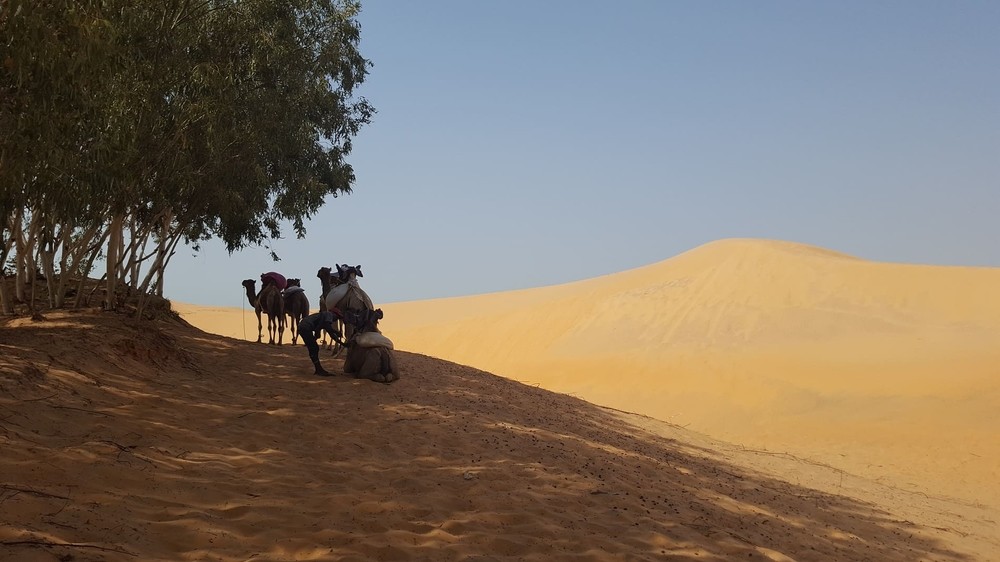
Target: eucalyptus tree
[
  {"x": 53, "y": 63},
  {"x": 139, "y": 126}
]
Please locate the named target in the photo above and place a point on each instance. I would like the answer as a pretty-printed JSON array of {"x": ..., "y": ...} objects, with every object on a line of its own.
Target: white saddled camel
[
  {"x": 328, "y": 281},
  {"x": 348, "y": 296}
]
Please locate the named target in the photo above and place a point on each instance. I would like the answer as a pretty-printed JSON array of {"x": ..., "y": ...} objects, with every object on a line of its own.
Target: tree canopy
[{"x": 131, "y": 127}]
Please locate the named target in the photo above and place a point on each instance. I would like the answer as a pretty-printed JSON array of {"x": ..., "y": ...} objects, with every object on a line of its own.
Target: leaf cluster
[{"x": 237, "y": 116}]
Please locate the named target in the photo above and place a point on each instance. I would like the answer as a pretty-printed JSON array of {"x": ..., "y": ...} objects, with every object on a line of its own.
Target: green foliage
[{"x": 191, "y": 118}]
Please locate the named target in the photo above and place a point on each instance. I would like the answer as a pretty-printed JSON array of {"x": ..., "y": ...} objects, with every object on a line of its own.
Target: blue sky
[{"x": 528, "y": 143}]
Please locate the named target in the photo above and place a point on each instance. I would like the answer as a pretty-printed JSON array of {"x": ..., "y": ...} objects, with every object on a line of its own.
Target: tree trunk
[
  {"x": 166, "y": 260},
  {"x": 84, "y": 273},
  {"x": 162, "y": 248},
  {"x": 164, "y": 244},
  {"x": 26, "y": 260},
  {"x": 47, "y": 249},
  {"x": 19, "y": 260},
  {"x": 6, "y": 306},
  {"x": 64, "y": 259},
  {"x": 116, "y": 230},
  {"x": 69, "y": 264}
]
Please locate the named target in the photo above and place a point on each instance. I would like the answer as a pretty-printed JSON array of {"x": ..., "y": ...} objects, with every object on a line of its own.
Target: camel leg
[
  {"x": 335, "y": 347},
  {"x": 392, "y": 366},
  {"x": 378, "y": 364},
  {"x": 281, "y": 326},
  {"x": 260, "y": 328},
  {"x": 322, "y": 307},
  {"x": 369, "y": 369}
]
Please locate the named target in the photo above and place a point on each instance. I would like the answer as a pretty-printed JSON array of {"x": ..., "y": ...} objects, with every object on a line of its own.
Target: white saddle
[{"x": 373, "y": 339}]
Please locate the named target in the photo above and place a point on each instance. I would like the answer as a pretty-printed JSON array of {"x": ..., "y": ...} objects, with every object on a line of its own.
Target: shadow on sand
[{"x": 156, "y": 441}]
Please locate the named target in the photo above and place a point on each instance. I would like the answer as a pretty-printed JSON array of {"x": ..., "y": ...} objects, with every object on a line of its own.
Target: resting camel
[
  {"x": 296, "y": 305},
  {"x": 272, "y": 304},
  {"x": 369, "y": 353},
  {"x": 250, "y": 286},
  {"x": 348, "y": 296}
]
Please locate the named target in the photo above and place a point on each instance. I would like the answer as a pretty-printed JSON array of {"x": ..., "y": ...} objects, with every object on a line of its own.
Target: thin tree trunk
[
  {"x": 66, "y": 238},
  {"x": 72, "y": 253},
  {"x": 166, "y": 261},
  {"x": 19, "y": 259},
  {"x": 93, "y": 251},
  {"x": 26, "y": 260},
  {"x": 6, "y": 307},
  {"x": 47, "y": 248},
  {"x": 164, "y": 248},
  {"x": 114, "y": 250}
]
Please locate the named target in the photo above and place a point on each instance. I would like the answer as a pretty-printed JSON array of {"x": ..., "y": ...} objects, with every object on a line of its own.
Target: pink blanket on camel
[{"x": 275, "y": 278}]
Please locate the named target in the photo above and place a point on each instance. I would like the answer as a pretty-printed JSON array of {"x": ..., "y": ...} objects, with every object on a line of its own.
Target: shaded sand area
[{"x": 161, "y": 442}]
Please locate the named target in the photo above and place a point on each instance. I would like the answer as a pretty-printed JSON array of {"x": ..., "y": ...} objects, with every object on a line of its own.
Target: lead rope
[{"x": 244, "y": 314}]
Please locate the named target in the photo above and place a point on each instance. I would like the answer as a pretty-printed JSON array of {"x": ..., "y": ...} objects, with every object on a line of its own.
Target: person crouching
[{"x": 311, "y": 327}]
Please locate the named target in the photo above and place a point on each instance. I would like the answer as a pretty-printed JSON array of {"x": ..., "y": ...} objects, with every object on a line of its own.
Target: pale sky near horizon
[{"x": 529, "y": 143}]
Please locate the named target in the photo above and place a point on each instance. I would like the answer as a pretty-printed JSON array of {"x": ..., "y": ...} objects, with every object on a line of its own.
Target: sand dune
[
  {"x": 891, "y": 371},
  {"x": 159, "y": 442},
  {"x": 887, "y": 372}
]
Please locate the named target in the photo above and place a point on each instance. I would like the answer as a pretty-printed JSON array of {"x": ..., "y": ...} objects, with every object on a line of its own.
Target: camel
[
  {"x": 296, "y": 305},
  {"x": 329, "y": 281},
  {"x": 272, "y": 304},
  {"x": 369, "y": 354},
  {"x": 250, "y": 286},
  {"x": 348, "y": 296}
]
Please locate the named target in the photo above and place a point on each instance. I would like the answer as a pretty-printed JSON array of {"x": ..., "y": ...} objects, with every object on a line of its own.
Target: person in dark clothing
[{"x": 311, "y": 327}]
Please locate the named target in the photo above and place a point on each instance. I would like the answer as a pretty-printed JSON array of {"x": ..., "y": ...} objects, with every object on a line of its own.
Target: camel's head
[
  {"x": 324, "y": 273},
  {"x": 250, "y": 284},
  {"x": 344, "y": 272},
  {"x": 364, "y": 320},
  {"x": 293, "y": 282}
]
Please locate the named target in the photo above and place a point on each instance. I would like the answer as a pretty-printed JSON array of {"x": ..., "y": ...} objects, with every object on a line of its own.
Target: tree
[{"x": 138, "y": 126}]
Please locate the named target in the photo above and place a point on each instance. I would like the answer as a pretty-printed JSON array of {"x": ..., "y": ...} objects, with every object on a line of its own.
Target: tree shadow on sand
[{"x": 159, "y": 442}]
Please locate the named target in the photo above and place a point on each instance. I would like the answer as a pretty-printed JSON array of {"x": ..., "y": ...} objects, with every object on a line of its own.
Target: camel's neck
[
  {"x": 251, "y": 296},
  {"x": 325, "y": 282}
]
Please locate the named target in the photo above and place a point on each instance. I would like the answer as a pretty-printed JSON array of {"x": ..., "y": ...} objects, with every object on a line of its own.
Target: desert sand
[
  {"x": 889, "y": 371},
  {"x": 746, "y": 400}
]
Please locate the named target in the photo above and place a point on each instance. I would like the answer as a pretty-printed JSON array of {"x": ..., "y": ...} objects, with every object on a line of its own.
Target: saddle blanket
[
  {"x": 337, "y": 293},
  {"x": 273, "y": 277},
  {"x": 373, "y": 339}
]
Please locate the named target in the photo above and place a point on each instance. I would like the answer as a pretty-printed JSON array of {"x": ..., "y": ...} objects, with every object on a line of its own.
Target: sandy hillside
[
  {"x": 159, "y": 442},
  {"x": 889, "y": 371}
]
